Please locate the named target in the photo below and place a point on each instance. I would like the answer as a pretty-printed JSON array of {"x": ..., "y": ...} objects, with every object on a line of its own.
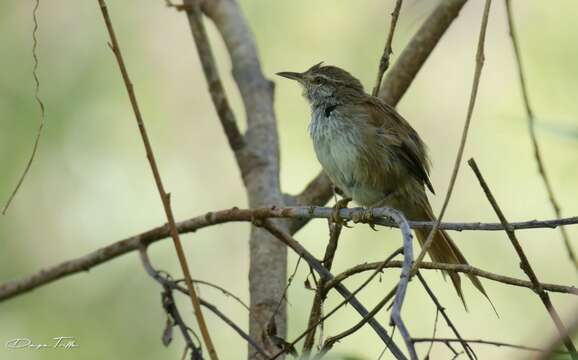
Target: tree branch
[
  {"x": 387, "y": 51},
  {"x": 525, "y": 263},
  {"x": 121, "y": 247},
  {"x": 165, "y": 197},
  {"x": 533, "y": 137},
  {"x": 461, "y": 268},
  {"x": 480, "y": 57},
  {"x": 259, "y": 159}
]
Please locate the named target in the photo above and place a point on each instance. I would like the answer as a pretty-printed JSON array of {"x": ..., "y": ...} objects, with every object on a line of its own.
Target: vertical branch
[
  {"x": 259, "y": 164},
  {"x": 165, "y": 197},
  {"x": 473, "y": 96},
  {"x": 534, "y": 139},
  {"x": 384, "y": 61},
  {"x": 40, "y": 105},
  {"x": 525, "y": 264},
  {"x": 315, "y": 313}
]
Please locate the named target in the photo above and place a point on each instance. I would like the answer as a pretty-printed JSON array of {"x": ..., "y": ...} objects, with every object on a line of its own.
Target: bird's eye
[{"x": 317, "y": 80}]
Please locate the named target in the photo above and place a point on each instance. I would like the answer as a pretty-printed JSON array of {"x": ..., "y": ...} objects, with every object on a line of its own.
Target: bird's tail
[{"x": 443, "y": 250}]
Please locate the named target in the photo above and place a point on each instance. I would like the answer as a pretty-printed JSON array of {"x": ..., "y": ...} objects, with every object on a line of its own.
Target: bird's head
[{"x": 325, "y": 83}]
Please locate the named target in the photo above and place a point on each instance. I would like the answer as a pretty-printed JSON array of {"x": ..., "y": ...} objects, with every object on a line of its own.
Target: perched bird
[{"x": 372, "y": 154}]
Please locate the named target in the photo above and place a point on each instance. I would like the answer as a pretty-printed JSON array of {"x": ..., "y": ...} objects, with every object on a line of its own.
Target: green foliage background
[{"x": 90, "y": 184}]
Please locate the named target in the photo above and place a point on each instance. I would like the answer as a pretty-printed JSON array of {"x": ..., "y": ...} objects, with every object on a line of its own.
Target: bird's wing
[{"x": 402, "y": 139}]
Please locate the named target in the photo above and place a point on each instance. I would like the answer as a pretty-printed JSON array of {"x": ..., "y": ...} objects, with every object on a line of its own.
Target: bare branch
[
  {"x": 346, "y": 300},
  {"x": 387, "y": 51},
  {"x": 341, "y": 289},
  {"x": 121, "y": 247},
  {"x": 440, "y": 309},
  {"x": 533, "y": 137},
  {"x": 461, "y": 268},
  {"x": 315, "y": 312},
  {"x": 257, "y": 155},
  {"x": 169, "y": 284},
  {"x": 525, "y": 263},
  {"x": 482, "y": 342},
  {"x": 477, "y": 73},
  {"x": 165, "y": 197}
]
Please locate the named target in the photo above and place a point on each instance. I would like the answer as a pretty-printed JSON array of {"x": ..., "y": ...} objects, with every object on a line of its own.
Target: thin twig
[
  {"x": 472, "y": 102},
  {"x": 483, "y": 342},
  {"x": 332, "y": 340},
  {"x": 440, "y": 309},
  {"x": 174, "y": 285},
  {"x": 341, "y": 289},
  {"x": 40, "y": 105},
  {"x": 461, "y": 268},
  {"x": 168, "y": 303},
  {"x": 165, "y": 197},
  {"x": 433, "y": 336},
  {"x": 316, "y": 307},
  {"x": 102, "y": 255},
  {"x": 533, "y": 137},
  {"x": 387, "y": 51},
  {"x": 525, "y": 264},
  {"x": 346, "y": 300}
]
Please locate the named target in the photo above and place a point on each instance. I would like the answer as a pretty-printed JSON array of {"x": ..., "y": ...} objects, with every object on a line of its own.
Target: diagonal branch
[
  {"x": 440, "y": 309},
  {"x": 165, "y": 197},
  {"x": 476, "y": 82},
  {"x": 534, "y": 139},
  {"x": 525, "y": 263},
  {"x": 341, "y": 289}
]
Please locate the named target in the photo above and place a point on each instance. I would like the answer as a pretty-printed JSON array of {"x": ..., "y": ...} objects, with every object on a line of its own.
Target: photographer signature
[{"x": 60, "y": 342}]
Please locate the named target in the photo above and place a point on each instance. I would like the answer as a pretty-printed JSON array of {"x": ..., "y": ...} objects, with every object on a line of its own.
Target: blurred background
[{"x": 90, "y": 184}]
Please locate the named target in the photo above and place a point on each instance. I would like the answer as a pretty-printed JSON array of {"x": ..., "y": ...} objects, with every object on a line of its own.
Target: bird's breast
[{"x": 337, "y": 146}]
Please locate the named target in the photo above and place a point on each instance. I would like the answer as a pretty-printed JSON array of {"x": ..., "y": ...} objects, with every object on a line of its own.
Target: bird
[{"x": 373, "y": 155}]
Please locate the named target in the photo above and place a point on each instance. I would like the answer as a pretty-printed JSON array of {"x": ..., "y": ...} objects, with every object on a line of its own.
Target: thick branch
[{"x": 259, "y": 164}]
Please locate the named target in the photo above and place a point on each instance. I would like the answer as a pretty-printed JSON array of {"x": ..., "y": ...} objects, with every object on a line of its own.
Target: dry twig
[
  {"x": 472, "y": 102},
  {"x": 525, "y": 264},
  {"x": 40, "y": 105},
  {"x": 533, "y": 137},
  {"x": 165, "y": 197},
  {"x": 387, "y": 51}
]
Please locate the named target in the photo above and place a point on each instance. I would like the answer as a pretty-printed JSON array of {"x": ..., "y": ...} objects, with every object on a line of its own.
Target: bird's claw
[
  {"x": 335, "y": 217},
  {"x": 364, "y": 216}
]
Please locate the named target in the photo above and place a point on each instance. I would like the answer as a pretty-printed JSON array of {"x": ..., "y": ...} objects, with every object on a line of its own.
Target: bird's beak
[{"x": 291, "y": 75}]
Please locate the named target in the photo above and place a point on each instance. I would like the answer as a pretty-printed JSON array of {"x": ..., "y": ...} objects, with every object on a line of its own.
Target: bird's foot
[
  {"x": 335, "y": 217},
  {"x": 364, "y": 216}
]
